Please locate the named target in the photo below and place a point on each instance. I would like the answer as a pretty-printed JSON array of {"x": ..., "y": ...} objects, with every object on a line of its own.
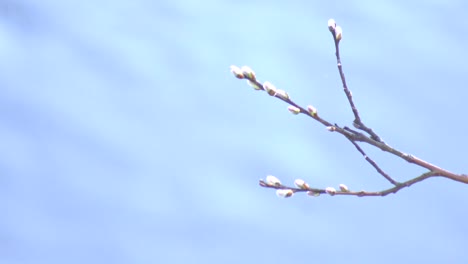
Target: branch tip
[
  {"x": 331, "y": 25},
  {"x": 272, "y": 181},
  {"x": 237, "y": 72}
]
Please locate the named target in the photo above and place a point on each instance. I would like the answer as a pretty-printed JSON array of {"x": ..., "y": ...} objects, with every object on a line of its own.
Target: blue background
[{"x": 125, "y": 138}]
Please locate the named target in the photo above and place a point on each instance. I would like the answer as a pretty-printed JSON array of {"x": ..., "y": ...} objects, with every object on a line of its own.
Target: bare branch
[
  {"x": 336, "y": 33},
  {"x": 374, "y": 164}
]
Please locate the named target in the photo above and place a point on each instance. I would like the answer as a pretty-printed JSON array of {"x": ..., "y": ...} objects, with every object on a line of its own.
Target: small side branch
[
  {"x": 373, "y": 163},
  {"x": 337, "y": 35},
  {"x": 343, "y": 191}
]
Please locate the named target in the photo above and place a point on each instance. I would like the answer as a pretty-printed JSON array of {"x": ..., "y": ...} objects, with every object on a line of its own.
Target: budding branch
[{"x": 367, "y": 136}]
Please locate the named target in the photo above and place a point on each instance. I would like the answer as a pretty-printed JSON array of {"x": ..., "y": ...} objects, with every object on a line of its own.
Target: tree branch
[
  {"x": 357, "y": 119},
  {"x": 353, "y": 136},
  {"x": 331, "y": 191},
  {"x": 374, "y": 164}
]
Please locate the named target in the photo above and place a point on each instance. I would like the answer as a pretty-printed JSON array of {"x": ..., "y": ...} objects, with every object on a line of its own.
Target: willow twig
[{"x": 352, "y": 135}]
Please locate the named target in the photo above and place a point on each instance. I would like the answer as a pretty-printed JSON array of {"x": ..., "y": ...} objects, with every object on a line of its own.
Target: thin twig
[
  {"x": 357, "y": 119},
  {"x": 316, "y": 191},
  {"x": 374, "y": 164}
]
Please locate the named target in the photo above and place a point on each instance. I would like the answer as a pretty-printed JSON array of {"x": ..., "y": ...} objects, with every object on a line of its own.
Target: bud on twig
[
  {"x": 269, "y": 88},
  {"x": 301, "y": 184},
  {"x": 344, "y": 188},
  {"x": 272, "y": 181},
  {"x": 312, "y": 110},
  {"x": 254, "y": 85},
  {"x": 294, "y": 109},
  {"x": 330, "y": 190},
  {"x": 248, "y": 73},
  {"x": 331, "y": 24},
  {"x": 282, "y": 94},
  {"x": 338, "y": 33},
  {"x": 284, "y": 193},
  {"x": 237, "y": 72}
]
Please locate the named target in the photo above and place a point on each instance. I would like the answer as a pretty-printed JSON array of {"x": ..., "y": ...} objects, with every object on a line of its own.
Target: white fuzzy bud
[
  {"x": 331, "y": 24},
  {"x": 312, "y": 193},
  {"x": 338, "y": 33},
  {"x": 237, "y": 72},
  {"x": 344, "y": 188},
  {"x": 294, "y": 109},
  {"x": 272, "y": 181},
  {"x": 301, "y": 184},
  {"x": 248, "y": 72},
  {"x": 330, "y": 190},
  {"x": 269, "y": 88},
  {"x": 282, "y": 94},
  {"x": 312, "y": 110},
  {"x": 284, "y": 193},
  {"x": 254, "y": 85}
]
